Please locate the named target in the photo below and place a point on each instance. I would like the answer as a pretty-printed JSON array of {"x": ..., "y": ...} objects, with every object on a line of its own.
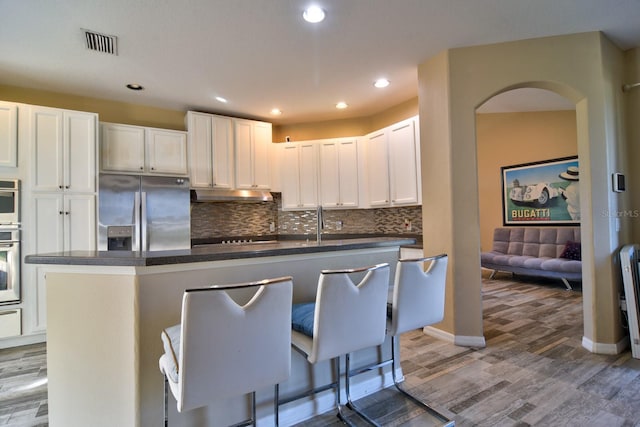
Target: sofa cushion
[
  {"x": 536, "y": 263},
  {"x": 562, "y": 265},
  {"x": 519, "y": 260}
]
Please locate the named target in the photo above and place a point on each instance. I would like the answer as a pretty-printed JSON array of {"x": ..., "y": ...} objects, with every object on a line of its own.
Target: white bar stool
[
  {"x": 346, "y": 317},
  {"x": 221, "y": 349},
  {"x": 418, "y": 300}
]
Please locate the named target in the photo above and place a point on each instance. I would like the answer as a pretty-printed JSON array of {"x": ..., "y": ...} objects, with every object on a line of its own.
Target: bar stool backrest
[
  {"x": 418, "y": 296},
  {"x": 349, "y": 317},
  {"x": 229, "y": 350}
]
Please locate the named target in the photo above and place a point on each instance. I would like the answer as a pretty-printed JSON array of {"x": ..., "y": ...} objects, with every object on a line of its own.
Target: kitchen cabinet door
[
  {"x": 47, "y": 138},
  {"x": 79, "y": 222},
  {"x": 63, "y": 144},
  {"x": 289, "y": 156},
  {"x": 80, "y": 151},
  {"x": 122, "y": 148},
  {"x": 166, "y": 152},
  {"x": 64, "y": 222},
  {"x": 299, "y": 176},
  {"x": 200, "y": 132},
  {"x": 403, "y": 164},
  {"x": 8, "y": 134},
  {"x": 61, "y": 222},
  {"x": 210, "y": 150},
  {"x": 377, "y": 168},
  {"x": 252, "y": 143},
  {"x": 308, "y": 184},
  {"x": 339, "y": 173},
  {"x": 222, "y": 152},
  {"x": 348, "y": 168}
]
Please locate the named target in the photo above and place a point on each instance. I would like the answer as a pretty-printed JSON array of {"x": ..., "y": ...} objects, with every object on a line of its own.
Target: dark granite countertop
[{"x": 217, "y": 252}]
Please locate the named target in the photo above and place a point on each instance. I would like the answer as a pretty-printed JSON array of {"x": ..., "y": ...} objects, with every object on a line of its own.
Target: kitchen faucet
[{"x": 320, "y": 225}]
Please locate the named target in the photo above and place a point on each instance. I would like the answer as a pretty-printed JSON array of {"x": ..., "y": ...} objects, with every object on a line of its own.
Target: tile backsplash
[{"x": 213, "y": 220}]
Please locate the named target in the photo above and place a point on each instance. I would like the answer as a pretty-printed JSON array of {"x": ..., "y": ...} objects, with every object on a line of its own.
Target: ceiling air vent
[{"x": 101, "y": 42}]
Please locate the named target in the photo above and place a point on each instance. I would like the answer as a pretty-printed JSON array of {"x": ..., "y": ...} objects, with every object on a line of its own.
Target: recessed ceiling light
[
  {"x": 134, "y": 86},
  {"x": 341, "y": 105},
  {"x": 313, "y": 14},
  {"x": 380, "y": 83},
  {"x": 221, "y": 99},
  {"x": 276, "y": 111}
]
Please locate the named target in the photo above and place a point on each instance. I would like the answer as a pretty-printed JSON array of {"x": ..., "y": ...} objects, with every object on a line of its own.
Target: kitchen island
[{"x": 105, "y": 312}]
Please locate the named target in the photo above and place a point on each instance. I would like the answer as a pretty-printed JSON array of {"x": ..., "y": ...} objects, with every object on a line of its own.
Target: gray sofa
[{"x": 536, "y": 251}]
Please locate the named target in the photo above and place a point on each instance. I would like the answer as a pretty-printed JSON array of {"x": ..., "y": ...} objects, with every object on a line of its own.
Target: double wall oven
[{"x": 9, "y": 241}]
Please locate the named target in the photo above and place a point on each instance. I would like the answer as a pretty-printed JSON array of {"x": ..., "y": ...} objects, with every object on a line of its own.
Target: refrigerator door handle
[
  {"x": 136, "y": 220},
  {"x": 143, "y": 221}
]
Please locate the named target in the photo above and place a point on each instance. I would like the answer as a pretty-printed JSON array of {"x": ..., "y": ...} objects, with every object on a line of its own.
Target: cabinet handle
[
  {"x": 141, "y": 168},
  {"x": 152, "y": 168},
  {"x": 66, "y": 186},
  {"x": 60, "y": 187},
  {"x": 60, "y": 212},
  {"x": 67, "y": 213}
]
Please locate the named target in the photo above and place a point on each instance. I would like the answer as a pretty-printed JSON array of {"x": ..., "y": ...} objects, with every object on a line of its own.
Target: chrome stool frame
[
  {"x": 435, "y": 277},
  {"x": 369, "y": 297}
]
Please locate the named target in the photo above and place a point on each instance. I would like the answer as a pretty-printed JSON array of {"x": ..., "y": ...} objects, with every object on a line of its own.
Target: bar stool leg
[
  {"x": 166, "y": 401},
  {"x": 276, "y": 397},
  {"x": 350, "y": 403},
  {"x": 340, "y": 414},
  {"x": 445, "y": 420}
]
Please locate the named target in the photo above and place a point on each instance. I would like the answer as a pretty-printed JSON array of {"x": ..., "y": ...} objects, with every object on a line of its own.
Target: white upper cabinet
[
  {"x": 252, "y": 149},
  {"x": 404, "y": 163},
  {"x": 143, "y": 150},
  {"x": 64, "y": 150},
  {"x": 210, "y": 150},
  {"x": 299, "y": 175},
  {"x": 393, "y": 165},
  {"x": 8, "y": 134},
  {"x": 378, "y": 168},
  {"x": 122, "y": 148},
  {"x": 166, "y": 152},
  {"x": 339, "y": 173}
]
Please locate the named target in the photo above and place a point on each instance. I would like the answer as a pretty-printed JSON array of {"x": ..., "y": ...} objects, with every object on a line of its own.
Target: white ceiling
[{"x": 260, "y": 54}]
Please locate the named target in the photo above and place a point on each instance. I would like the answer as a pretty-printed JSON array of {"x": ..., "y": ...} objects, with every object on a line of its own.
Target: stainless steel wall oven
[
  {"x": 10, "y": 257},
  {"x": 9, "y": 265}
]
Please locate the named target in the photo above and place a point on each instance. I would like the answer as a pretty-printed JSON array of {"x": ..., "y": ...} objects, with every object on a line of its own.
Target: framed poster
[{"x": 541, "y": 193}]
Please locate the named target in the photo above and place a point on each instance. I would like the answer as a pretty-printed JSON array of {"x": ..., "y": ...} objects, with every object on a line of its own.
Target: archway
[
  {"x": 585, "y": 68},
  {"x": 521, "y": 126}
]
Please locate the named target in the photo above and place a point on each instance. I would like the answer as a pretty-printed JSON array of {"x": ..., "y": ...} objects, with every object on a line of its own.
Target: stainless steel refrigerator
[{"x": 143, "y": 213}]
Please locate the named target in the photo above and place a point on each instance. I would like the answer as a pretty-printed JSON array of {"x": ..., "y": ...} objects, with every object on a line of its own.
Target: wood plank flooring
[{"x": 533, "y": 371}]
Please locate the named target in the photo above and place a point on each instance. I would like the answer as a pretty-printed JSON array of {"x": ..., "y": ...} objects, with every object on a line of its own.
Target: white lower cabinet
[{"x": 61, "y": 222}]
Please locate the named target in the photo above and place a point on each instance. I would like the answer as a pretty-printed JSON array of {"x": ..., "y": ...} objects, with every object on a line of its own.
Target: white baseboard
[
  {"x": 604, "y": 348},
  {"x": 461, "y": 340},
  {"x": 22, "y": 340}
]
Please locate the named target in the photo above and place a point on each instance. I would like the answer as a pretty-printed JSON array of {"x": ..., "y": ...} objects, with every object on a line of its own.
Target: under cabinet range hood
[{"x": 200, "y": 195}]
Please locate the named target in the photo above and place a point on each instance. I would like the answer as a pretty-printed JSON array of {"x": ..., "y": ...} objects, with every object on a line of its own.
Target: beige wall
[
  {"x": 585, "y": 68},
  {"x": 109, "y": 111},
  {"x": 506, "y": 139},
  {"x": 142, "y": 115},
  {"x": 350, "y": 127},
  {"x": 632, "y": 102}
]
